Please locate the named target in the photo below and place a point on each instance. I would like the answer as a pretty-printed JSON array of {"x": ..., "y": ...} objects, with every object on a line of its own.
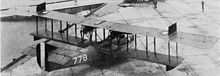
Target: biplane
[{"x": 116, "y": 44}]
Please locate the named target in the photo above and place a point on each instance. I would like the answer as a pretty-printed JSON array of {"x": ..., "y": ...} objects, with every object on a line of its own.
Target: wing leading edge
[{"x": 195, "y": 40}]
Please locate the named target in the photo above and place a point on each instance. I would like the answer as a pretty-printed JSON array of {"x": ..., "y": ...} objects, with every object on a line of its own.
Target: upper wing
[
  {"x": 13, "y": 12},
  {"x": 195, "y": 40}
]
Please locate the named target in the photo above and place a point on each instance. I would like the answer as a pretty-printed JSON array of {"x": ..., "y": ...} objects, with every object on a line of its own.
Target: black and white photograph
[{"x": 110, "y": 37}]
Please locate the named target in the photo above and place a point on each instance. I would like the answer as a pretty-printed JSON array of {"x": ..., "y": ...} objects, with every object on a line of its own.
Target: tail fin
[{"x": 42, "y": 51}]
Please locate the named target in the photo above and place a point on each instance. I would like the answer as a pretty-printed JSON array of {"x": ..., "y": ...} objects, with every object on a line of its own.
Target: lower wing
[{"x": 170, "y": 61}]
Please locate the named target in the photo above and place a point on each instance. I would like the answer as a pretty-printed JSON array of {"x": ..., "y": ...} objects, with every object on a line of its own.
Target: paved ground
[{"x": 187, "y": 14}]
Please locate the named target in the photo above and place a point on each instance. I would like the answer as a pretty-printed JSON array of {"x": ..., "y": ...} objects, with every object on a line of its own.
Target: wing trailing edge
[
  {"x": 194, "y": 40},
  {"x": 170, "y": 61}
]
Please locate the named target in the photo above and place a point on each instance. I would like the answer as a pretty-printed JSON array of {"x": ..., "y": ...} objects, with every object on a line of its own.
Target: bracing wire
[
  {"x": 141, "y": 42},
  {"x": 156, "y": 58},
  {"x": 145, "y": 46}
]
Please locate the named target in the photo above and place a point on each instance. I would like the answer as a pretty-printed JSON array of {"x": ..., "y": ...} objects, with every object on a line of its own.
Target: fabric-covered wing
[
  {"x": 15, "y": 12},
  {"x": 195, "y": 40},
  {"x": 159, "y": 58}
]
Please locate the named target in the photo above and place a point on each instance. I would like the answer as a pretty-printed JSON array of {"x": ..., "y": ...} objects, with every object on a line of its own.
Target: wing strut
[
  {"x": 67, "y": 38},
  {"x": 127, "y": 43},
  {"x": 95, "y": 34},
  {"x": 103, "y": 34},
  {"x": 147, "y": 47},
  {"x": 169, "y": 50},
  {"x": 45, "y": 24},
  {"x": 61, "y": 25},
  {"x": 76, "y": 30},
  {"x": 155, "y": 45},
  {"x": 37, "y": 24},
  {"x": 176, "y": 49},
  {"x": 36, "y": 37},
  {"x": 135, "y": 41},
  {"x": 52, "y": 28},
  {"x": 82, "y": 36}
]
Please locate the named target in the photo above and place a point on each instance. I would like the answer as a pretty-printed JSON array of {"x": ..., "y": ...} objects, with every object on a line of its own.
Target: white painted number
[
  {"x": 75, "y": 59},
  {"x": 81, "y": 57},
  {"x": 84, "y": 57}
]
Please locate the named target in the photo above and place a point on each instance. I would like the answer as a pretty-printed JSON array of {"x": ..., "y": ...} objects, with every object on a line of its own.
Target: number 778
[{"x": 80, "y": 58}]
